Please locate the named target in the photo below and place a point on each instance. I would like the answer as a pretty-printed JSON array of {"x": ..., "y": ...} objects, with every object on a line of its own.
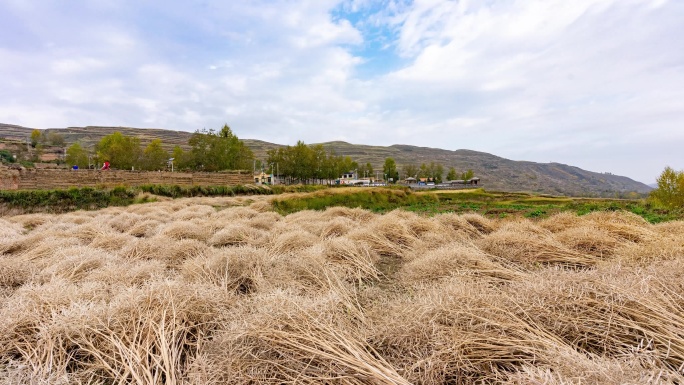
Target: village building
[{"x": 263, "y": 178}]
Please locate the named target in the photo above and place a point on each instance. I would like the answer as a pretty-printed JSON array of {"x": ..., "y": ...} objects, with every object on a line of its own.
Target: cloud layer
[{"x": 594, "y": 83}]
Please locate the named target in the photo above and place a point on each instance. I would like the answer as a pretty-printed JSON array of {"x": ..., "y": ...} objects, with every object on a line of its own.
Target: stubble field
[{"x": 224, "y": 290}]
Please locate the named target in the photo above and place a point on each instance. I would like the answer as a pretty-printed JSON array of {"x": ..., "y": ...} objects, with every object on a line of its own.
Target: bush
[
  {"x": 670, "y": 191},
  {"x": 6, "y": 157}
]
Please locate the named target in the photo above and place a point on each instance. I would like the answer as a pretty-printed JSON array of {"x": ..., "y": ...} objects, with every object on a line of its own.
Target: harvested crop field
[{"x": 224, "y": 290}]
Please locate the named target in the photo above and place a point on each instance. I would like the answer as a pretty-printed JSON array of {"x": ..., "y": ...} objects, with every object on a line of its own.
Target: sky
[{"x": 597, "y": 84}]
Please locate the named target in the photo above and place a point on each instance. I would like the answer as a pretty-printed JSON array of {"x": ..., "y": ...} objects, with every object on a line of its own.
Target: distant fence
[{"x": 33, "y": 179}]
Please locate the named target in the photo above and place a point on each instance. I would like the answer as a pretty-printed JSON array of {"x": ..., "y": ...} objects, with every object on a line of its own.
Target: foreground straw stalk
[{"x": 223, "y": 290}]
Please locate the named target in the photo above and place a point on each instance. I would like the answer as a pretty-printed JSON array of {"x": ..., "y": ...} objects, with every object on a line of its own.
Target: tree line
[
  {"x": 434, "y": 172},
  {"x": 210, "y": 151},
  {"x": 217, "y": 150},
  {"x": 310, "y": 163}
]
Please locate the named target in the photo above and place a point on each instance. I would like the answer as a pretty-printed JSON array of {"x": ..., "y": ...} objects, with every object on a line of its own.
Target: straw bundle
[
  {"x": 336, "y": 227},
  {"x": 452, "y": 260},
  {"x": 238, "y": 234},
  {"x": 125, "y": 221},
  {"x": 588, "y": 240},
  {"x": 111, "y": 242},
  {"x": 237, "y": 270},
  {"x": 459, "y": 225},
  {"x": 302, "y": 341},
  {"x": 185, "y": 230},
  {"x": 561, "y": 221},
  {"x": 356, "y": 260},
  {"x": 73, "y": 264},
  {"x": 155, "y": 294},
  {"x": 527, "y": 245},
  {"x": 193, "y": 212},
  {"x": 145, "y": 228},
  {"x": 31, "y": 221},
  {"x": 482, "y": 224},
  {"x": 292, "y": 241},
  {"x": 265, "y": 221}
]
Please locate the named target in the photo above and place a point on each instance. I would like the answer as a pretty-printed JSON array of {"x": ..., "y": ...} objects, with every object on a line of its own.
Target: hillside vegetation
[
  {"x": 496, "y": 172},
  {"x": 227, "y": 291}
]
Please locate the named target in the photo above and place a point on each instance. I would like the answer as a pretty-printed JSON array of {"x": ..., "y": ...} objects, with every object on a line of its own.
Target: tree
[
  {"x": 302, "y": 163},
  {"x": 54, "y": 139},
  {"x": 365, "y": 170},
  {"x": 432, "y": 171},
  {"x": 181, "y": 159},
  {"x": 467, "y": 175},
  {"x": 215, "y": 151},
  {"x": 670, "y": 190},
  {"x": 423, "y": 171},
  {"x": 6, "y": 157},
  {"x": 436, "y": 172},
  {"x": 35, "y": 137},
  {"x": 154, "y": 156},
  {"x": 122, "y": 152},
  {"x": 410, "y": 170},
  {"x": 76, "y": 155},
  {"x": 389, "y": 169},
  {"x": 451, "y": 175}
]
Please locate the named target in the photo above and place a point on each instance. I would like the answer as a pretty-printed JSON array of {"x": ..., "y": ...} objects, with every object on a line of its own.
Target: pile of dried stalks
[{"x": 178, "y": 292}]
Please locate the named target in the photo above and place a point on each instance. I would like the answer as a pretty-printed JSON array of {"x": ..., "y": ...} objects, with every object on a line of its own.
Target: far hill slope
[{"x": 496, "y": 172}]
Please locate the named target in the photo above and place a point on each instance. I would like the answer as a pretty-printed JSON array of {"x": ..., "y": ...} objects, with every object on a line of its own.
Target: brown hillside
[{"x": 495, "y": 172}]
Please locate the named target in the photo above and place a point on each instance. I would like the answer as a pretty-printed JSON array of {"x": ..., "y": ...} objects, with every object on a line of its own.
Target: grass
[
  {"x": 487, "y": 203},
  {"x": 89, "y": 198},
  {"x": 380, "y": 200},
  {"x": 375, "y": 199},
  {"x": 178, "y": 292},
  {"x": 504, "y": 204}
]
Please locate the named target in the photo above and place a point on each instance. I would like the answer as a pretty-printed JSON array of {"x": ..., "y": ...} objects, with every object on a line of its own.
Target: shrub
[{"x": 670, "y": 191}]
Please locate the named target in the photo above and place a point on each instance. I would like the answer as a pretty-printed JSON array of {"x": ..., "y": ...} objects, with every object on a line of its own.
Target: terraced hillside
[{"x": 495, "y": 172}]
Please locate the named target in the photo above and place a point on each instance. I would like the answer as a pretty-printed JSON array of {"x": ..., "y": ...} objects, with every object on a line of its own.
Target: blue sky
[{"x": 594, "y": 83}]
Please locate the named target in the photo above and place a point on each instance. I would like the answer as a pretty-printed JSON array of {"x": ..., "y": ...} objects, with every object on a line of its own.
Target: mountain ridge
[{"x": 496, "y": 172}]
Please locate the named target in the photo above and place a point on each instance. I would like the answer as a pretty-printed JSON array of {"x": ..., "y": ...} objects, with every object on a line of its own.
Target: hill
[{"x": 496, "y": 172}]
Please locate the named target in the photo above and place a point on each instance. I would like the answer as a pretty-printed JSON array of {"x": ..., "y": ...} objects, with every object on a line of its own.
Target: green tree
[
  {"x": 389, "y": 169},
  {"x": 318, "y": 158},
  {"x": 154, "y": 156},
  {"x": 451, "y": 175},
  {"x": 122, "y": 152},
  {"x": 181, "y": 159},
  {"x": 54, "y": 139},
  {"x": 423, "y": 171},
  {"x": 467, "y": 175},
  {"x": 670, "y": 190},
  {"x": 410, "y": 170},
  {"x": 76, "y": 155},
  {"x": 6, "y": 157},
  {"x": 365, "y": 170},
  {"x": 222, "y": 150},
  {"x": 436, "y": 172},
  {"x": 433, "y": 171},
  {"x": 35, "y": 137},
  {"x": 303, "y": 163}
]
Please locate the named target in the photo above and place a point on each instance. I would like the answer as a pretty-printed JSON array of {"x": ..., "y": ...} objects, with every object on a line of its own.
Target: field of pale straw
[{"x": 226, "y": 291}]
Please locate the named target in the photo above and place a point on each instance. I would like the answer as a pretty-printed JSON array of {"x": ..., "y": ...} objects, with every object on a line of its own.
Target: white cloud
[{"x": 568, "y": 81}]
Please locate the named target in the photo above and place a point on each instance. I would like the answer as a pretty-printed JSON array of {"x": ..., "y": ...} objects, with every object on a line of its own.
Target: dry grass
[{"x": 178, "y": 292}]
